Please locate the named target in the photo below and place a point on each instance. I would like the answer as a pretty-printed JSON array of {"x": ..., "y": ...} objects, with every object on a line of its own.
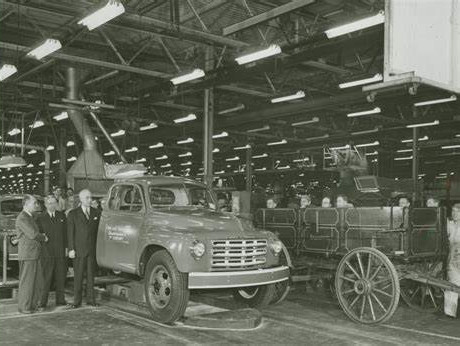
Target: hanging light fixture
[{"x": 11, "y": 161}]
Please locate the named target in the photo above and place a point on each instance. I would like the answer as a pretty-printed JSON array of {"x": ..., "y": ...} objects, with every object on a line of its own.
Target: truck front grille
[{"x": 244, "y": 254}]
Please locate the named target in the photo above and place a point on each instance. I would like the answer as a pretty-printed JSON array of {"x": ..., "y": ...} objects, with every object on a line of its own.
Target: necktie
[{"x": 87, "y": 213}]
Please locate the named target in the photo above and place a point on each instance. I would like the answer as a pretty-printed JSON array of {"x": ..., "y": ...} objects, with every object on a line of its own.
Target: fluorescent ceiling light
[
  {"x": 284, "y": 167},
  {"x": 6, "y": 71},
  {"x": 247, "y": 146},
  {"x": 367, "y": 144},
  {"x": 376, "y": 110},
  {"x": 436, "y": 122},
  {"x": 432, "y": 102},
  {"x": 298, "y": 95},
  {"x": 195, "y": 74},
  {"x": 318, "y": 137},
  {"x": 263, "y": 128},
  {"x": 404, "y": 150},
  {"x": 188, "y": 163},
  {"x": 46, "y": 48},
  {"x": 231, "y": 110},
  {"x": 189, "y": 117},
  {"x": 56, "y": 161},
  {"x": 186, "y": 141},
  {"x": 14, "y": 132},
  {"x": 283, "y": 141},
  {"x": 163, "y": 157},
  {"x": 236, "y": 158},
  {"x": 73, "y": 158},
  {"x": 376, "y": 78},
  {"x": 31, "y": 152},
  {"x": 356, "y": 25},
  {"x": 186, "y": 154},
  {"x": 273, "y": 49},
  {"x": 131, "y": 150},
  {"x": 300, "y": 160},
  {"x": 118, "y": 133},
  {"x": 142, "y": 159},
  {"x": 403, "y": 158},
  {"x": 260, "y": 156},
  {"x": 425, "y": 138},
  {"x": 216, "y": 150},
  {"x": 70, "y": 143},
  {"x": 11, "y": 161},
  {"x": 261, "y": 169},
  {"x": 109, "y": 153},
  {"x": 372, "y": 154},
  {"x": 458, "y": 135},
  {"x": 306, "y": 122},
  {"x": 50, "y": 147},
  {"x": 219, "y": 172},
  {"x": 156, "y": 146},
  {"x": 347, "y": 146},
  {"x": 167, "y": 165},
  {"x": 220, "y": 135},
  {"x": 37, "y": 124},
  {"x": 365, "y": 132},
  {"x": 111, "y": 10},
  {"x": 61, "y": 116},
  {"x": 451, "y": 146},
  {"x": 148, "y": 127},
  {"x": 41, "y": 164}
]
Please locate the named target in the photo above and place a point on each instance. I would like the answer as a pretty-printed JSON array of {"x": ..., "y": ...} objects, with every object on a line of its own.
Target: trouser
[
  {"x": 82, "y": 265},
  {"x": 29, "y": 285},
  {"x": 53, "y": 268},
  {"x": 453, "y": 275}
]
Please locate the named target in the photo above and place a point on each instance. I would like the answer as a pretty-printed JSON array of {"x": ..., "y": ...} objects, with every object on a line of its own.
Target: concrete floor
[{"x": 306, "y": 317}]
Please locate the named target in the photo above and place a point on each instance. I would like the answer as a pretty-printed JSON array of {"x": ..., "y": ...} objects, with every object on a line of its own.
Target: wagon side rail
[{"x": 431, "y": 281}]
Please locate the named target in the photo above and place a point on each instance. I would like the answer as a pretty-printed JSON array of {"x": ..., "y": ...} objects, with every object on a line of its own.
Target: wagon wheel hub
[{"x": 363, "y": 286}]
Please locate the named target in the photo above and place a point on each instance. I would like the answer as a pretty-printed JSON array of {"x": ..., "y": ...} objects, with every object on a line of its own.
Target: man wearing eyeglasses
[{"x": 29, "y": 246}]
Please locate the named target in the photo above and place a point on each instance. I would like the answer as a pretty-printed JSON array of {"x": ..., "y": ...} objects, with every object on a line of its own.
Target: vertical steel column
[
  {"x": 46, "y": 178},
  {"x": 249, "y": 170},
  {"x": 208, "y": 119},
  {"x": 5, "y": 258},
  {"x": 62, "y": 157},
  {"x": 415, "y": 163}
]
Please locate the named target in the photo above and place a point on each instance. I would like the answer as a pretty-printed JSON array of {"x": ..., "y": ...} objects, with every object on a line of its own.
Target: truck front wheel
[
  {"x": 166, "y": 289},
  {"x": 255, "y": 296}
]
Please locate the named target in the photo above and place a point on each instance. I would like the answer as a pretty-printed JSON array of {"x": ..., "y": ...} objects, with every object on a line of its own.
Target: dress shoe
[
  {"x": 92, "y": 304},
  {"x": 74, "y": 306}
]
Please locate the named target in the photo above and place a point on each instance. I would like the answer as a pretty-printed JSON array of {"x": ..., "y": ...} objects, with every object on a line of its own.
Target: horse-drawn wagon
[{"x": 374, "y": 255}]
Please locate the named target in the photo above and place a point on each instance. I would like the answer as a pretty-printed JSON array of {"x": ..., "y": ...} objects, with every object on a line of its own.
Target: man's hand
[
  {"x": 46, "y": 238},
  {"x": 72, "y": 254}
]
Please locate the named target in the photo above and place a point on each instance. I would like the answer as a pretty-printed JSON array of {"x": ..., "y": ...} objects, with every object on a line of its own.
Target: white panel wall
[{"x": 423, "y": 37}]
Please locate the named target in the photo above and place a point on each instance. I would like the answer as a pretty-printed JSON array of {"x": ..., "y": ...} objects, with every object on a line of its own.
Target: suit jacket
[
  {"x": 29, "y": 237},
  {"x": 56, "y": 231},
  {"x": 82, "y": 232}
]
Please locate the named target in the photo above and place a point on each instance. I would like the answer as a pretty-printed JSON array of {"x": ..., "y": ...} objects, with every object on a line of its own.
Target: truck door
[{"x": 123, "y": 222}]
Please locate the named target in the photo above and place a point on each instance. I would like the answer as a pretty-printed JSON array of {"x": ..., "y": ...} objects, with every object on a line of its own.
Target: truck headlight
[
  {"x": 276, "y": 246},
  {"x": 198, "y": 249}
]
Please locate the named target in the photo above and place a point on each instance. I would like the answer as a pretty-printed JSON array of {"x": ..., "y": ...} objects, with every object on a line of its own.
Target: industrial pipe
[
  {"x": 46, "y": 177},
  {"x": 107, "y": 136}
]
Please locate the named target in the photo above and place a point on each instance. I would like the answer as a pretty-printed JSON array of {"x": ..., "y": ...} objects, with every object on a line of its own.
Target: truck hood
[{"x": 207, "y": 222}]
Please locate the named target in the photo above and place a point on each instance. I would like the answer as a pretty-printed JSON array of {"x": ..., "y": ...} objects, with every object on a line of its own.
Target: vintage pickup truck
[{"x": 167, "y": 232}]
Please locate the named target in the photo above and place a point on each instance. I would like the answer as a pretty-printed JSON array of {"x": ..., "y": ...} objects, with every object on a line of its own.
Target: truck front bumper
[{"x": 202, "y": 280}]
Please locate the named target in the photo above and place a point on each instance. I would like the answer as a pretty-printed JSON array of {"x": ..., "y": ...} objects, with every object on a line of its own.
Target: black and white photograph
[{"x": 226, "y": 172}]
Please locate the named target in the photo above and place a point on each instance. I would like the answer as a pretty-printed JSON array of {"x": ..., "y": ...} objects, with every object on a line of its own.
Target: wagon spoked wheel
[
  {"x": 367, "y": 286},
  {"x": 423, "y": 297}
]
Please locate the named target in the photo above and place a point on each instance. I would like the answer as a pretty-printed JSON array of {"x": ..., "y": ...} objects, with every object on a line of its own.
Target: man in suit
[
  {"x": 82, "y": 224},
  {"x": 29, "y": 246},
  {"x": 53, "y": 255}
]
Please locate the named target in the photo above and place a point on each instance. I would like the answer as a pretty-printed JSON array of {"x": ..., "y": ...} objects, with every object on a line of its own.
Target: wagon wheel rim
[
  {"x": 423, "y": 297},
  {"x": 367, "y": 286},
  {"x": 160, "y": 287}
]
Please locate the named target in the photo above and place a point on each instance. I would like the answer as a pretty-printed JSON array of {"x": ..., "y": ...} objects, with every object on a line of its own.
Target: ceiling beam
[
  {"x": 266, "y": 16},
  {"x": 92, "y": 62}
]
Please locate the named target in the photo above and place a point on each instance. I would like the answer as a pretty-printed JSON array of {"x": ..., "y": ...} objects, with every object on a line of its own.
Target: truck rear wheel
[
  {"x": 255, "y": 296},
  {"x": 166, "y": 289}
]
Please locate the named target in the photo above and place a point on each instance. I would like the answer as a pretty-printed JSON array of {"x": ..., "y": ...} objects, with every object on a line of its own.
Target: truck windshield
[
  {"x": 11, "y": 207},
  {"x": 181, "y": 195}
]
